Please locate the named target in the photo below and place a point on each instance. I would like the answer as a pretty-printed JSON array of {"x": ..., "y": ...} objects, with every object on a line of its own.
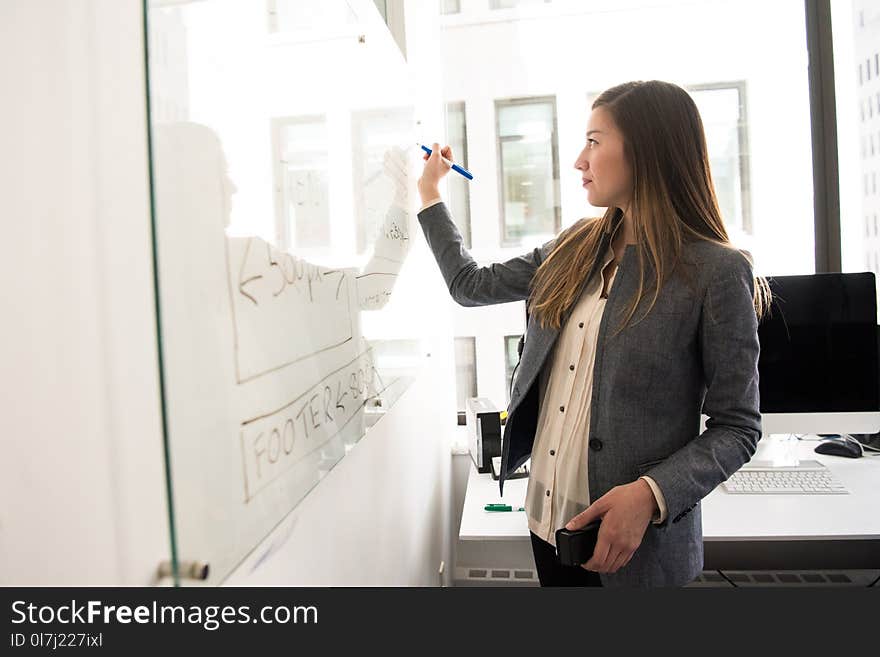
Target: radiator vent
[
  {"x": 488, "y": 576},
  {"x": 491, "y": 576},
  {"x": 785, "y": 578}
]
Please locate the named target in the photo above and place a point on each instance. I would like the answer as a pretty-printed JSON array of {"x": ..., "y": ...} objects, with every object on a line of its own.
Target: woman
[{"x": 639, "y": 320}]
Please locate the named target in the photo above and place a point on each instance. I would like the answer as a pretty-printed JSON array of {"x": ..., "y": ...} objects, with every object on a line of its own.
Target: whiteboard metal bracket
[{"x": 195, "y": 570}]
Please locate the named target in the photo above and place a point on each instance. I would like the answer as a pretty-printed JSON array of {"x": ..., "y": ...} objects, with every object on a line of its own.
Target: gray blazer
[{"x": 696, "y": 351}]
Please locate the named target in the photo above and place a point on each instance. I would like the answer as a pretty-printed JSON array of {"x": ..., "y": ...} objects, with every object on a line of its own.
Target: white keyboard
[{"x": 763, "y": 478}]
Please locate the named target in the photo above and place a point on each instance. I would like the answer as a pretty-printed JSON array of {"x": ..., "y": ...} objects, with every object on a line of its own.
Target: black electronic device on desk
[
  {"x": 484, "y": 432},
  {"x": 841, "y": 446},
  {"x": 819, "y": 356}
]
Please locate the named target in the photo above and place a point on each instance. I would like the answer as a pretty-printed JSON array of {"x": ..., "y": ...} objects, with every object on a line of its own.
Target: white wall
[{"x": 82, "y": 497}]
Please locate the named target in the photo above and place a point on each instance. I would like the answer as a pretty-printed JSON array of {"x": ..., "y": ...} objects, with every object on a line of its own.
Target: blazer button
[
  {"x": 595, "y": 444},
  {"x": 580, "y": 325},
  {"x": 552, "y": 452}
]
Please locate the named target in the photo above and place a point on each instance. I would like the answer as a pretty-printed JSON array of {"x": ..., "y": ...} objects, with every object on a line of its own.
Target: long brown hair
[{"x": 673, "y": 201}]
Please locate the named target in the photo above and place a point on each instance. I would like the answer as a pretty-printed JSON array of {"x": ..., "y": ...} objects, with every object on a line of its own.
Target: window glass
[
  {"x": 459, "y": 187},
  {"x": 529, "y": 166},
  {"x": 465, "y": 370},
  {"x": 450, "y": 6},
  {"x": 856, "y": 33},
  {"x": 511, "y": 358},
  {"x": 301, "y": 179}
]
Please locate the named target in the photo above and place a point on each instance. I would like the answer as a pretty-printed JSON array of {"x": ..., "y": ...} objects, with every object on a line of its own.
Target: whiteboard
[{"x": 282, "y": 217}]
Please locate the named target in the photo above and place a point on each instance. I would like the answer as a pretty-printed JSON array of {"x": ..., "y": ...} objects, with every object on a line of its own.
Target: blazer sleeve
[
  {"x": 468, "y": 283},
  {"x": 728, "y": 339}
]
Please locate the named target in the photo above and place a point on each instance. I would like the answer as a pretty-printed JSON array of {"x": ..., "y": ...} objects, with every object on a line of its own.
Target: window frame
[
  {"x": 462, "y": 157},
  {"x": 471, "y": 341},
  {"x": 284, "y": 232},
  {"x": 823, "y": 127},
  {"x": 743, "y": 137},
  {"x": 500, "y": 103}
]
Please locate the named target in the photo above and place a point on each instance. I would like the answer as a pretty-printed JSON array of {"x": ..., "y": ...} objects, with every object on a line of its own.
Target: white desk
[{"x": 740, "y": 531}]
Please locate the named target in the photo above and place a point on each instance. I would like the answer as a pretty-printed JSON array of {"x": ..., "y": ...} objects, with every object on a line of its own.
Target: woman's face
[{"x": 605, "y": 173}]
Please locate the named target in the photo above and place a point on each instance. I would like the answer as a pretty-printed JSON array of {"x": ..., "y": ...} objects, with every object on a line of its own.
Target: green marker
[{"x": 502, "y": 507}]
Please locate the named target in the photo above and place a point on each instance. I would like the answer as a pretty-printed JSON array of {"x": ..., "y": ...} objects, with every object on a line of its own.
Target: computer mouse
[{"x": 836, "y": 447}]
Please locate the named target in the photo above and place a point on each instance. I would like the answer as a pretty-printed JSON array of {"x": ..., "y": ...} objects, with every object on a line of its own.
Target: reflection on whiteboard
[
  {"x": 302, "y": 181},
  {"x": 284, "y": 309},
  {"x": 392, "y": 241},
  {"x": 295, "y": 435},
  {"x": 379, "y": 173},
  {"x": 268, "y": 379}
]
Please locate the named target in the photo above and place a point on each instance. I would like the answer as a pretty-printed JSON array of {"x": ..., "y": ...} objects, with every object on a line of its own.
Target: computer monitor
[{"x": 818, "y": 366}]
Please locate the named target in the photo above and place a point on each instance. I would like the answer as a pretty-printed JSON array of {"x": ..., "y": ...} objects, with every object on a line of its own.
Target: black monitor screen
[{"x": 819, "y": 345}]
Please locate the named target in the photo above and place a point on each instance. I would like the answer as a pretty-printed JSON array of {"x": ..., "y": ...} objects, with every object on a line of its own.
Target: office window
[
  {"x": 511, "y": 358},
  {"x": 301, "y": 182},
  {"x": 372, "y": 131},
  {"x": 459, "y": 186},
  {"x": 465, "y": 370},
  {"x": 529, "y": 168},
  {"x": 756, "y": 110},
  {"x": 450, "y": 6},
  {"x": 723, "y": 110},
  {"x": 857, "y": 175}
]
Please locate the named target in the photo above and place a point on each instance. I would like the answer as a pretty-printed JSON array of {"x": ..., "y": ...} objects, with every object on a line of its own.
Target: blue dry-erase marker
[{"x": 467, "y": 174}]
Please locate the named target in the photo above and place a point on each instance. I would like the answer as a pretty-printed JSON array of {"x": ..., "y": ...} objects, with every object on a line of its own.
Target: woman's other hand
[
  {"x": 625, "y": 512},
  {"x": 435, "y": 169}
]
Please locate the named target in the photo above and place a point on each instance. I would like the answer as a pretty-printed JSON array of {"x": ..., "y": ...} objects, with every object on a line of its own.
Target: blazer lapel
[{"x": 540, "y": 340}]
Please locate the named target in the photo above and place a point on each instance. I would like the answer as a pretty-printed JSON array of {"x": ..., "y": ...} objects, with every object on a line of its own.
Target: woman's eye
[{"x": 591, "y": 142}]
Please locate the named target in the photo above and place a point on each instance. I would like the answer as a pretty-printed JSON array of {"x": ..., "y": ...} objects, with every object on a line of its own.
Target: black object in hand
[{"x": 575, "y": 546}]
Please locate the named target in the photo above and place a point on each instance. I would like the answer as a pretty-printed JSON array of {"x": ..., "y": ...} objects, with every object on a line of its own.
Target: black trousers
[{"x": 553, "y": 573}]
